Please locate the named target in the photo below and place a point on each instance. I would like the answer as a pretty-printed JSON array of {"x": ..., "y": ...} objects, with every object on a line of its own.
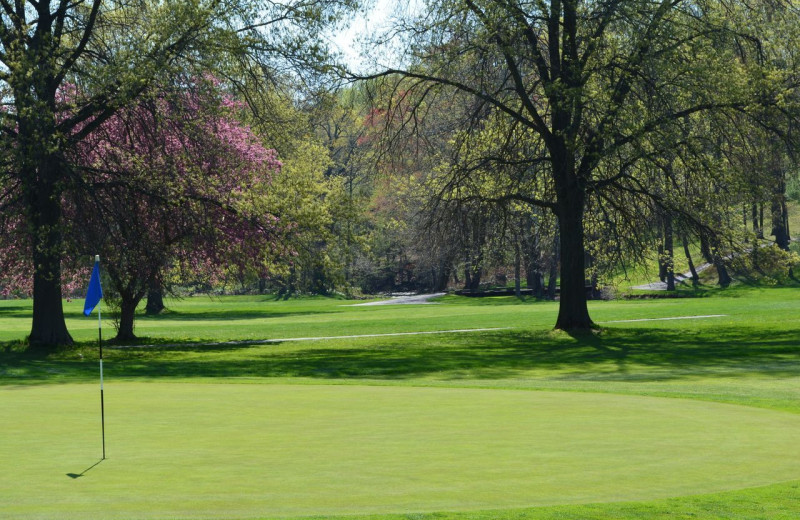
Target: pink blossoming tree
[{"x": 174, "y": 182}]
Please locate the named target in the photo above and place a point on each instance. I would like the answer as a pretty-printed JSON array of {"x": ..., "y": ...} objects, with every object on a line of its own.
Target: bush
[{"x": 771, "y": 265}]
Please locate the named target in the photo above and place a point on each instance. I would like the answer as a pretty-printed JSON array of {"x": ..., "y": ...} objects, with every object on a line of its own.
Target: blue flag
[{"x": 95, "y": 292}]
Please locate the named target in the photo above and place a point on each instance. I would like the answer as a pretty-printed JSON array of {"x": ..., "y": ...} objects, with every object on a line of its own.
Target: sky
[{"x": 376, "y": 19}]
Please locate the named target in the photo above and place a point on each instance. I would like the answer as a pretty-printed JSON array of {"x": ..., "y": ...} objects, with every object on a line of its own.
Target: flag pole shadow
[{"x": 82, "y": 473}]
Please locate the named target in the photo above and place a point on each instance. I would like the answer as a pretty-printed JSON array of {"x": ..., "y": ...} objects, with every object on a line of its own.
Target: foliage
[
  {"x": 584, "y": 107},
  {"x": 768, "y": 265},
  {"x": 112, "y": 53}
]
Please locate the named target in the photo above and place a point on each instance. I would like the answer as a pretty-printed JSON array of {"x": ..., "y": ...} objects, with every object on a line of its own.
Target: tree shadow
[
  {"x": 635, "y": 354},
  {"x": 14, "y": 308},
  {"x": 222, "y": 315},
  {"x": 652, "y": 354}
]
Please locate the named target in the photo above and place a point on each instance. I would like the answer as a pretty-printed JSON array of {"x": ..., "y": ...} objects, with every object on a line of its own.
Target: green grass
[
  {"x": 516, "y": 423},
  {"x": 189, "y": 450}
]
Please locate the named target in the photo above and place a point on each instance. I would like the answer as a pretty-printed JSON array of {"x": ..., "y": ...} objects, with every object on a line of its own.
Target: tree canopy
[{"x": 577, "y": 101}]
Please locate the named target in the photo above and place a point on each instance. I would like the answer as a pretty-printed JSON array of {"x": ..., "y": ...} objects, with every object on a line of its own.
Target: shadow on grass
[
  {"x": 221, "y": 315},
  {"x": 614, "y": 355},
  {"x": 224, "y": 315},
  {"x": 82, "y": 473},
  {"x": 14, "y": 308}
]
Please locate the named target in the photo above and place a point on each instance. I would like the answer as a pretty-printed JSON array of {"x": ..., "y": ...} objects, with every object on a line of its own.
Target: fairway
[{"x": 189, "y": 450}]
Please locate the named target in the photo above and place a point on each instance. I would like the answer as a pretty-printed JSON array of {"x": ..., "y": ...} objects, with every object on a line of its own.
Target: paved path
[
  {"x": 662, "y": 286},
  {"x": 405, "y": 299}
]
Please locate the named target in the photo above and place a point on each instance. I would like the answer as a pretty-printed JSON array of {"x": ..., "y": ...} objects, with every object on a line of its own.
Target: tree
[
  {"x": 43, "y": 45},
  {"x": 569, "y": 78},
  {"x": 177, "y": 183},
  {"x": 113, "y": 52}
]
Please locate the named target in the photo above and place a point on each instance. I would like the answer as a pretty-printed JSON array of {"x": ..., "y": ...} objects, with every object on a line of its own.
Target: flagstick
[
  {"x": 102, "y": 404},
  {"x": 94, "y": 294}
]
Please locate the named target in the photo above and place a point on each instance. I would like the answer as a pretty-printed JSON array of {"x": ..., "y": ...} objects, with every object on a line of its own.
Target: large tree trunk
[
  {"x": 48, "y": 328},
  {"x": 127, "y": 315},
  {"x": 155, "y": 299},
  {"x": 573, "y": 312}
]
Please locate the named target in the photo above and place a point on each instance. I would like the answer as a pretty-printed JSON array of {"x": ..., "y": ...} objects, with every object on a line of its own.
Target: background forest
[{"x": 558, "y": 147}]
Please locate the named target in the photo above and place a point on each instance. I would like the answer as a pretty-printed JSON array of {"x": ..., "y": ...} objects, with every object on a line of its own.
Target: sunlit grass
[{"x": 748, "y": 356}]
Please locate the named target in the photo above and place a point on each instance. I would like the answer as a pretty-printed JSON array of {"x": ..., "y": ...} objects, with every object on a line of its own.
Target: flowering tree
[
  {"x": 117, "y": 51},
  {"x": 173, "y": 182}
]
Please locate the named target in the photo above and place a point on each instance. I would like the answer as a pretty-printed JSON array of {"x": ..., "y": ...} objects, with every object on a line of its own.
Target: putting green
[{"x": 263, "y": 450}]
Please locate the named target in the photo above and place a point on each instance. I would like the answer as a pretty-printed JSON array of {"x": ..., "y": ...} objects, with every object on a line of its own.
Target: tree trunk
[
  {"x": 754, "y": 216},
  {"x": 48, "y": 328},
  {"x": 744, "y": 222},
  {"x": 531, "y": 273},
  {"x": 536, "y": 284},
  {"x": 552, "y": 284},
  {"x": 669, "y": 253},
  {"x": 475, "y": 281},
  {"x": 712, "y": 257},
  {"x": 695, "y": 277},
  {"x": 573, "y": 312},
  {"x": 780, "y": 220},
  {"x": 534, "y": 277},
  {"x": 517, "y": 270},
  {"x": 155, "y": 300},
  {"x": 705, "y": 249},
  {"x": 127, "y": 315},
  {"x": 722, "y": 272},
  {"x": 472, "y": 276},
  {"x": 441, "y": 276}
]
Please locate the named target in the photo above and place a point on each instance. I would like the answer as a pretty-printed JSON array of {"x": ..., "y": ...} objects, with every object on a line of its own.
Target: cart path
[
  {"x": 679, "y": 278},
  {"x": 405, "y": 299}
]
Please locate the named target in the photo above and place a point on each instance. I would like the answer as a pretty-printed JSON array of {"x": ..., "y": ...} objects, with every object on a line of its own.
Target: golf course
[{"x": 252, "y": 407}]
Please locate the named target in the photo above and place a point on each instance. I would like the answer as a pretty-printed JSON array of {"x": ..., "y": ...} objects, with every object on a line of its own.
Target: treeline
[
  {"x": 218, "y": 146},
  {"x": 416, "y": 213}
]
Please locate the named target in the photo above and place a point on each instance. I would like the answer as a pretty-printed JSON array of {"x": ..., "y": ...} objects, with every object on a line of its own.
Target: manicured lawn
[{"x": 694, "y": 418}]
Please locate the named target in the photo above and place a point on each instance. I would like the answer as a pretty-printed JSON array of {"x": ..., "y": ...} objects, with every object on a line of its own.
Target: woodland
[{"x": 222, "y": 146}]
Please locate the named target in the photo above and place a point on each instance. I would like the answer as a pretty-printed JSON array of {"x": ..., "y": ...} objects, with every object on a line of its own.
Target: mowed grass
[
  {"x": 263, "y": 317},
  {"x": 196, "y": 451},
  {"x": 434, "y": 426}
]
